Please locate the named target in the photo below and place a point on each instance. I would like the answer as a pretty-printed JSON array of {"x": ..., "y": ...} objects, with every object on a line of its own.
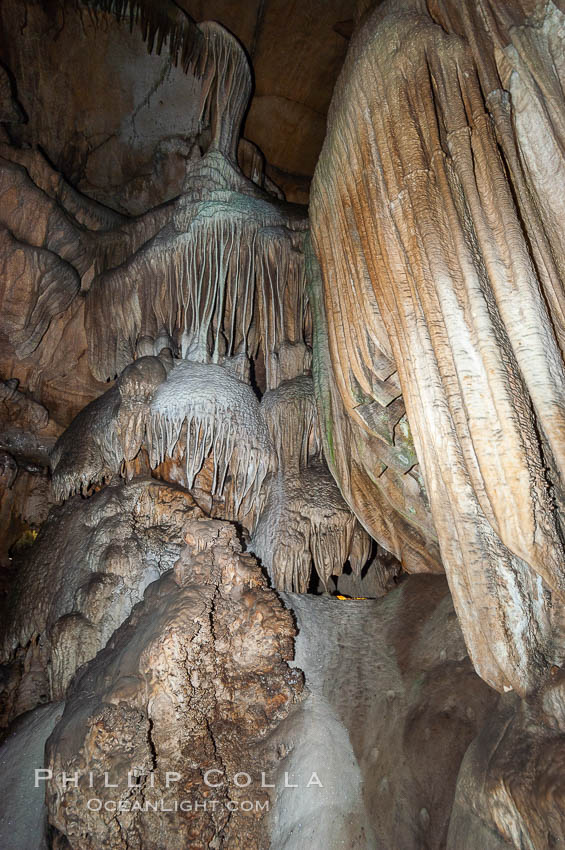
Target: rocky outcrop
[
  {"x": 79, "y": 581},
  {"x": 184, "y": 697}
]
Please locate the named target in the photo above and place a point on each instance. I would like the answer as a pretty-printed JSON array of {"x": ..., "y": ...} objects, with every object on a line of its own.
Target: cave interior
[{"x": 282, "y": 425}]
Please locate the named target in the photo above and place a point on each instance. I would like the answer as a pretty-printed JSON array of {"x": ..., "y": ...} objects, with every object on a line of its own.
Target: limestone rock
[
  {"x": 80, "y": 579},
  {"x": 193, "y": 681},
  {"x": 394, "y": 703},
  {"x": 430, "y": 268},
  {"x": 303, "y": 521},
  {"x": 511, "y": 782}
]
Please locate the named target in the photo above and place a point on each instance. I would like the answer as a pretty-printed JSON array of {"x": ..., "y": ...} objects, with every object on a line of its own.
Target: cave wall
[{"x": 130, "y": 154}]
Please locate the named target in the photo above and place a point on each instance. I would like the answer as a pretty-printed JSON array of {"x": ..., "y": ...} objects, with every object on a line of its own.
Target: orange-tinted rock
[{"x": 429, "y": 268}]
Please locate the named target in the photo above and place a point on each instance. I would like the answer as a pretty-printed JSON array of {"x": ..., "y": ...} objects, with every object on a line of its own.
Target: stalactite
[
  {"x": 282, "y": 299},
  {"x": 200, "y": 281},
  {"x": 305, "y": 522},
  {"x": 427, "y": 258},
  {"x": 89, "y": 452},
  {"x": 164, "y": 21},
  {"x": 227, "y": 86},
  {"x": 197, "y": 411},
  {"x": 290, "y": 413},
  {"x": 213, "y": 414}
]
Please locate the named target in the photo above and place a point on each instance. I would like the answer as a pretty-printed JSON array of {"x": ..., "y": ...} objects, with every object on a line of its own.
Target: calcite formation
[
  {"x": 226, "y": 421},
  {"x": 454, "y": 287},
  {"x": 305, "y": 520},
  {"x": 220, "y": 416},
  {"x": 417, "y": 706},
  {"x": 89, "y": 566},
  {"x": 264, "y": 458},
  {"x": 213, "y": 620}
]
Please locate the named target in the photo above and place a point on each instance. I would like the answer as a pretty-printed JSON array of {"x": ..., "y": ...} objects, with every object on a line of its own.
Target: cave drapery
[
  {"x": 224, "y": 413},
  {"x": 426, "y": 201}
]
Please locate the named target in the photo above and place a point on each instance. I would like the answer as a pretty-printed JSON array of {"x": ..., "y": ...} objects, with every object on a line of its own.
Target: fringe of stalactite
[
  {"x": 330, "y": 545},
  {"x": 159, "y": 22},
  {"x": 291, "y": 566},
  {"x": 282, "y": 301},
  {"x": 68, "y": 480},
  {"x": 204, "y": 412},
  {"x": 212, "y": 414},
  {"x": 200, "y": 287},
  {"x": 208, "y": 51},
  {"x": 65, "y": 486},
  {"x": 360, "y": 549},
  {"x": 304, "y": 542},
  {"x": 305, "y": 524},
  {"x": 292, "y": 418},
  {"x": 207, "y": 434}
]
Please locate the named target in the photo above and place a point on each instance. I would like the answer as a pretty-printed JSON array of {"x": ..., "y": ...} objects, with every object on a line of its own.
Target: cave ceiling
[{"x": 296, "y": 51}]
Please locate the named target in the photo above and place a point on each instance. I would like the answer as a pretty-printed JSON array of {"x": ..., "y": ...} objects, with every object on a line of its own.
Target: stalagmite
[
  {"x": 89, "y": 566},
  {"x": 190, "y": 699}
]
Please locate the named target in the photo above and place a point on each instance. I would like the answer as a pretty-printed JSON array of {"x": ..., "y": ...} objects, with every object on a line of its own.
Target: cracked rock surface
[{"x": 193, "y": 681}]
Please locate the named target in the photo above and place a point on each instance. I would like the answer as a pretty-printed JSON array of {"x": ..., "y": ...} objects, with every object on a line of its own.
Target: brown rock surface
[
  {"x": 84, "y": 60},
  {"x": 438, "y": 263},
  {"x": 79, "y": 580},
  {"x": 192, "y": 682},
  {"x": 131, "y": 153},
  {"x": 512, "y": 780}
]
